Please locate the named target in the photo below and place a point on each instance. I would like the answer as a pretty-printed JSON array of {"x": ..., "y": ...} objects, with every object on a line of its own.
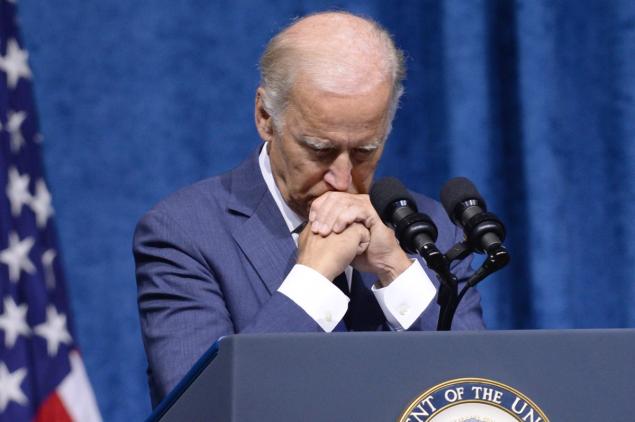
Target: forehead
[{"x": 328, "y": 115}]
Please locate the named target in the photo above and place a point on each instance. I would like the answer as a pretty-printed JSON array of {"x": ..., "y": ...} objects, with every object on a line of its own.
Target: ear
[{"x": 264, "y": 121}]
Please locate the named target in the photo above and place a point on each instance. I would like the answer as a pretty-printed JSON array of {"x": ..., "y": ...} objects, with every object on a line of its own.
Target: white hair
[{"x": 285, "y": 55}]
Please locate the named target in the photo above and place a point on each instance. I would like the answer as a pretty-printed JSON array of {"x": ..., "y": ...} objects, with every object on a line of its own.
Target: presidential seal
[{"x": 472, "y": 400}]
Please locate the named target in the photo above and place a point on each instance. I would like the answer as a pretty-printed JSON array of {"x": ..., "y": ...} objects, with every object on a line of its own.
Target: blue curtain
[{"x": 532, "y": 100}]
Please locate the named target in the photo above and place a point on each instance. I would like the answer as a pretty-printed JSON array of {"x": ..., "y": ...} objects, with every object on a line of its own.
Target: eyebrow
[
  {"x": 324, "y": 144},
  {"x": 316, "y": 143}
]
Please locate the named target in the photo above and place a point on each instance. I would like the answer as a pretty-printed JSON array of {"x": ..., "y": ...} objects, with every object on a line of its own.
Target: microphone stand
[
  {"x": 497, "y": 258},
  {"x": 447, "y": 298}
]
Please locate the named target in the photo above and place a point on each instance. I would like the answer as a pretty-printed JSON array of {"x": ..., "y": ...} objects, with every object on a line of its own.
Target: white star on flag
[
  {"x": 13, "y": 321},
  {"x": 53, "y": 330},
  {"x": 14, "y": 63},
  {"x": 10, "y": 386},
  {"x": 14, "y": 124},
  {"x": 18, "y": 190},
  {"x": 16, "y": 256},
  {"x": 40, "y": 203}
]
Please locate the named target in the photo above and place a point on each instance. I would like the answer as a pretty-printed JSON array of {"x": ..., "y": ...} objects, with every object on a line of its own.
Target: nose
[{"x": 338, "y": 175}]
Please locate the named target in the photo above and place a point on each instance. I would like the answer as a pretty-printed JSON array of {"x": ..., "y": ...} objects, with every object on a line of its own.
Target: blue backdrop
[{"x": 533, "y": 100}]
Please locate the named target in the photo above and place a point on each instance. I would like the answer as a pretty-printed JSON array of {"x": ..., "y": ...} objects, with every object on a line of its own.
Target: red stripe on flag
[{"x": 52, "y": 410}]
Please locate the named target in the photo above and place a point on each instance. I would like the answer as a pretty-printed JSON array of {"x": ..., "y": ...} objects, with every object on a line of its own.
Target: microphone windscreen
[
  {"x": 385, "y": 192},
  {"x": 456, "y": 191}
]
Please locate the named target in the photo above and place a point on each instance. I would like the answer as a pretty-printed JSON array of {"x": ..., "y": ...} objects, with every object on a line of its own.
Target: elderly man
[{"x": 288, "y": 241}]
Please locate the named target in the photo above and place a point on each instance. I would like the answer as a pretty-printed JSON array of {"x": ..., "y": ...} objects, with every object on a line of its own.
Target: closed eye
[
  {"x": 361, "y": 154},
  {"x": 320, "y": 150},
  {"x": 323, "y": 153}
]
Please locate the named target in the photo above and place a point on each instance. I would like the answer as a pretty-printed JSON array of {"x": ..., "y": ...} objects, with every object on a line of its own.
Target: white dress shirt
[{"x": 402, "y": 301}]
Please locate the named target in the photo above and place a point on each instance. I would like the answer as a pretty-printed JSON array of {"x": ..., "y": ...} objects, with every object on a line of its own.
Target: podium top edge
[{"x": 413, "y": 334}]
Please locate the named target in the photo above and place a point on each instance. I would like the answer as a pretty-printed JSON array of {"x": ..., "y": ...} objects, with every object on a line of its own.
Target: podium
[{"x": 568, "y": 375}]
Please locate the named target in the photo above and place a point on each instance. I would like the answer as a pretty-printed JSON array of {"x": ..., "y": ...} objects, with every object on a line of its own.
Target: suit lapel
[
  {"x": 260, "y": 232},
  {"x": 267, "y": 245}
]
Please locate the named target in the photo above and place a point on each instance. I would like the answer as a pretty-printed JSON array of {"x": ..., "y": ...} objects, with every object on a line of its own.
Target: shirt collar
[{"x": 291, "y": 218}]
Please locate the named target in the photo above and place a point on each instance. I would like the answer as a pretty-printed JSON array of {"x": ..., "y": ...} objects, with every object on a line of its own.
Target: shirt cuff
[
  {"x": 405, "y": 299},
  {"x": 316, "y": 295}
]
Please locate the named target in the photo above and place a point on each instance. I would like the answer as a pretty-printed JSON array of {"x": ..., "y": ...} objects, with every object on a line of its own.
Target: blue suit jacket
[{"x": 209, "y": 261}]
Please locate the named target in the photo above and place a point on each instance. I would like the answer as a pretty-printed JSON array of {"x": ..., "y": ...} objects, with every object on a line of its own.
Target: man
[{"x": 220, "y": 257}]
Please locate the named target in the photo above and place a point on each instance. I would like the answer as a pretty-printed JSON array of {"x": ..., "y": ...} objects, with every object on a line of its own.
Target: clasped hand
[{"x": 344, "y": 229}]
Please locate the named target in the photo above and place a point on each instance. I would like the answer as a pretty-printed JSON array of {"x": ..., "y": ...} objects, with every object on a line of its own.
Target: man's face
[{"x": 328, "y": 142}]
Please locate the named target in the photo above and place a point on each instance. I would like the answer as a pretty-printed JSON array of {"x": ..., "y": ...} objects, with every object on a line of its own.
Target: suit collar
[
  {"x": 263, "y": 235},
  {"x": 247, "y": 187},
  {"x": 291, "y": 218}
]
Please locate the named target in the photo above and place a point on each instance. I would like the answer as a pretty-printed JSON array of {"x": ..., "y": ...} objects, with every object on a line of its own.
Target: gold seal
[{"x": 472, "y": 400}]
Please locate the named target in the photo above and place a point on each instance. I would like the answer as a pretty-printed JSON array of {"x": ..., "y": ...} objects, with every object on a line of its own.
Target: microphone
[
  {"x": 397, "y": 208},
  {"x": 415, "y": 231},
  {"x": 467, "y": 209}
]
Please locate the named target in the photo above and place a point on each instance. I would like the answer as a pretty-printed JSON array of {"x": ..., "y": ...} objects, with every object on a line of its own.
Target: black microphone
[
  {"x": 415, "y": 231},
  {"x": 467, "y": 209}
]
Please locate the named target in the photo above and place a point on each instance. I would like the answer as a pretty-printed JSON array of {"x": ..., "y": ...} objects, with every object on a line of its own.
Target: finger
[
  {"x": 359, "y": 210},
  {"x": 335, "y": 211},
  {"x": 364, "y": 241},
  {"x": 326, "y": 210},
  {"x": 315, "y": 227},
  {"x": 315, "y": 205},
  {"x": 355, "y": 233},
  {"x": 331, "y": 207},
  {"x": 353, "y": 213},
  {"x": 317, "y": 211}
]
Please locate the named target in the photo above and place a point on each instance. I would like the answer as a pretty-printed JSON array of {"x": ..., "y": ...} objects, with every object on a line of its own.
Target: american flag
[{"x": 42, "y": 376}]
